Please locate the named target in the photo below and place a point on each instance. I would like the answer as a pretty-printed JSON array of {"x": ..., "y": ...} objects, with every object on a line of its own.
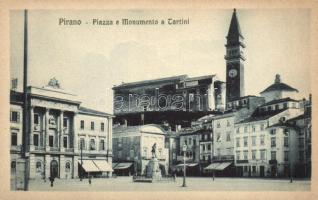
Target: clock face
[{"x": 232, "y": 73}]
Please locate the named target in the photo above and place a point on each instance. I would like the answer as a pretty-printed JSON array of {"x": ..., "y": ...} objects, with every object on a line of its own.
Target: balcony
[
  {"x": 54, "y": 149},
  {"x": 273, "y": 162},
  {"x": 39, "y": 148},
  {"x": 69, "y": 150}
]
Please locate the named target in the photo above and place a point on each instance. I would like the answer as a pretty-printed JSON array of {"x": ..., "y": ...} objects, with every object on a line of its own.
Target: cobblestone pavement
[{"x": 193, "y": 184}]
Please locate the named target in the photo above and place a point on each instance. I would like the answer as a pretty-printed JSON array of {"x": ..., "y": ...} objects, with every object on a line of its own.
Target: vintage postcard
[{"x": 192, "y": 100}]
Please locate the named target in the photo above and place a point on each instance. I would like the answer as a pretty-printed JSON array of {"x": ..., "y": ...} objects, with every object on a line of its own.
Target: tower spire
[{"x": 234, "y": 35}]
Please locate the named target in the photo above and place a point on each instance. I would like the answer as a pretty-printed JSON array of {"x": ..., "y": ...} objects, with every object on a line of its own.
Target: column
[
  {"x": 31, "y": 127},
  {"x": 47, "y": 130},
  {"x": 60, "y": 132},
  {"x": 62, "y": 166},
  {"x": 32, "y": 166},
  {"x": 75, "y": 167},
  {"x": 47, "y": 162},
  {"x": 110, "y": 143},
  {"x": 74, "y": 134}
]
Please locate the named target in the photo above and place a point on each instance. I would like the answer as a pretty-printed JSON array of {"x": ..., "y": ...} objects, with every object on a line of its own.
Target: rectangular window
[
  {"x": 14, "y": 139},
  {"x": 254, "y": 141},
  {"x": 285, "y": 141},
  {"x": 237, "y": 142},
  {"x": 273, "y": 131},
  {"x": 269, "y": 108},
  {"x": 190, "y": 140},
  {"x": 238, "y": 130},
  {"x": 14, "y": 116},
  {"x": 65, "y": 122},
  {"x": 262, "y": 140},
  {"x": 262, "y": 127},
  {"x": 286, "y": 153},
  {"x": 245, "y": 168},
  {"x": 203, "y": 146},
  {"x": 36, "y": 119},
  {"x": 237, "y": 155},
  {"x": 209, "y": 146},
  {"x": 254, "y": 154},
  {"x": 82, "y": 124},
  {"x": 36, "y": 140},
  {"x": 65, "y": 142},
  {"x": 245, "y": 154},
  {"x": 102, "y": 145},
  {"x": 273, "y": 142},
  {"x": 92, "y": 125},
  {"x": 102, "y": 127},
  {"x": 263, "y": 153},
  {"x": 273, "y": 155},
  {"x": 245, "y": 129},
  {"x": 253, "y": 128},
  {"x": 228, "y": 136},
  {"x": 285, "y": 105},
  {"x": 51, "y": 140},
  {"x": 245, "y": 142},
  {"x": 277, "y": 107}
]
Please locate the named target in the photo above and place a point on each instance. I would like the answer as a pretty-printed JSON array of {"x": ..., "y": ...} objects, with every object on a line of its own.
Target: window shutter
[{"x": 18, "y": 117}]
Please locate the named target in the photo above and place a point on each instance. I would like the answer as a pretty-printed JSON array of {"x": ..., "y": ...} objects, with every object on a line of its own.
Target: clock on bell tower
[{"x": 234, "y": 61}]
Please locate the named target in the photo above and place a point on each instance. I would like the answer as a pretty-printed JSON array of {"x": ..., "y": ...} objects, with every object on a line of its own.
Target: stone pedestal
[{"x": 153, "y": 170}]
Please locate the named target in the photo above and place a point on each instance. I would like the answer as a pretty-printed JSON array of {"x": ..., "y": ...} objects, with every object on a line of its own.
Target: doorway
[
  {"x": 54, "y": 169},
  {"x": 262, "y": 171}
]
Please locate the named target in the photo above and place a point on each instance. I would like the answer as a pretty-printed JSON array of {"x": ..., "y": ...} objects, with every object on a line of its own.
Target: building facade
[
  {"x": 132, "y": 147},
  {"x": 53, "y": 121}
]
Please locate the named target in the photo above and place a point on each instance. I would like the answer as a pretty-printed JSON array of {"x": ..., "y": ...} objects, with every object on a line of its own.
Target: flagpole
[{"x": 25, "y": 137}]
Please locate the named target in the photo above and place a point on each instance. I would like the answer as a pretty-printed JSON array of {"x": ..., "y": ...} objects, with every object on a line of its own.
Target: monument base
[{"x": 153, "y": 170}]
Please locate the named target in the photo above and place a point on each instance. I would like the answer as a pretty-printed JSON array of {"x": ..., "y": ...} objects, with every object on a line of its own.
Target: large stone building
[
  {"x": 177, "y": 100},
  {"x": 57, "y": 125}
]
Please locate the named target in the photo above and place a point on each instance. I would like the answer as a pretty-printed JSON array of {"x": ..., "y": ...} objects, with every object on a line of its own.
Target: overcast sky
[{"x": 88, "y": 60}]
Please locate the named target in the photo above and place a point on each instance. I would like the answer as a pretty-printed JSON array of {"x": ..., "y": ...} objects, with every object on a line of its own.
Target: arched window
[
  {"x": 38, "y": 166},
  {"x": 13, "y": 166},
  {"x": 68, "y": 167}
]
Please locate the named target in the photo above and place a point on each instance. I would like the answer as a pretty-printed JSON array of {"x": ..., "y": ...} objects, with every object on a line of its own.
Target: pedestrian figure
[
  {"x": 90, "y": 180},
  {"x": 174, "y": 176},
  {"x": 51, "y": 180}
]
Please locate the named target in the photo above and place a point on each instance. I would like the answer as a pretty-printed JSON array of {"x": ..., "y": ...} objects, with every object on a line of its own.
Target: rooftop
[
  {"x": 279, "y": 101},
  {"x": 279, "y": 86},
  {"x": 84, "y": 110},
  {"x": 259, "y": 116}
]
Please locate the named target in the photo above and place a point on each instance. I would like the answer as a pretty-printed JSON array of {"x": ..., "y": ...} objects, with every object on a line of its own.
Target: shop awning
[
  {"x": 222, "y": 166},
  {"x": 218, "y": 166},
  {"x": 187, "y": 165},
  {"x": 123, "y": 165},
  {"x": 212, "y": 166},
  {"x": 103, "y": 165},
  {"x": 89, "y": 166},
  {"x": 114, "y": 164}
]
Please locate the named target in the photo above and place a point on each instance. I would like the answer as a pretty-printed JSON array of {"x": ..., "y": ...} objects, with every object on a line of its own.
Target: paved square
[{"x": 193, "y": 184}]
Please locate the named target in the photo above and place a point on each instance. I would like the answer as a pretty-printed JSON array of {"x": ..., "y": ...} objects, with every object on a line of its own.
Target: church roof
[
  {"x": 278, "y": 85},
  {"x": 234, "y": 29}
]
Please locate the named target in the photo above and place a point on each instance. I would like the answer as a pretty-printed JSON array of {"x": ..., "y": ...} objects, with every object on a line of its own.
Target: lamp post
[
  {"x": 290, "y": 160},
  {"x": 184, "y": 165},
  {"x": 81, "y": 175}
]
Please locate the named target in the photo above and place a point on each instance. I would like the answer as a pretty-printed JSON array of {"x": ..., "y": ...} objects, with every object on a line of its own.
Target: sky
[{"x": 88, "y": 60}]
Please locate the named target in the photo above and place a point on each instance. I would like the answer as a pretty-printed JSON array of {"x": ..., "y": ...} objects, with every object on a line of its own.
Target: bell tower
[{"x": 234, "y": 60}]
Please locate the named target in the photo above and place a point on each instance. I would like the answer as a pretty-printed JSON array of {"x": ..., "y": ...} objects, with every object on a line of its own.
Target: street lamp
[
  {"x": 184, "y": 165},
  {"x": 81, "y": 175}
]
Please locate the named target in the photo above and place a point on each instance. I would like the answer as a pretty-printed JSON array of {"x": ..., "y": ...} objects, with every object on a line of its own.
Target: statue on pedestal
[{"x": 154, "y": 151}]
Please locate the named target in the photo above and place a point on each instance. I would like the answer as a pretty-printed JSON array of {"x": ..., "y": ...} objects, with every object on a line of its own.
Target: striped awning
[
  {"x": 103, "y": 165},
  {"x": 89, "y": 166}
]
